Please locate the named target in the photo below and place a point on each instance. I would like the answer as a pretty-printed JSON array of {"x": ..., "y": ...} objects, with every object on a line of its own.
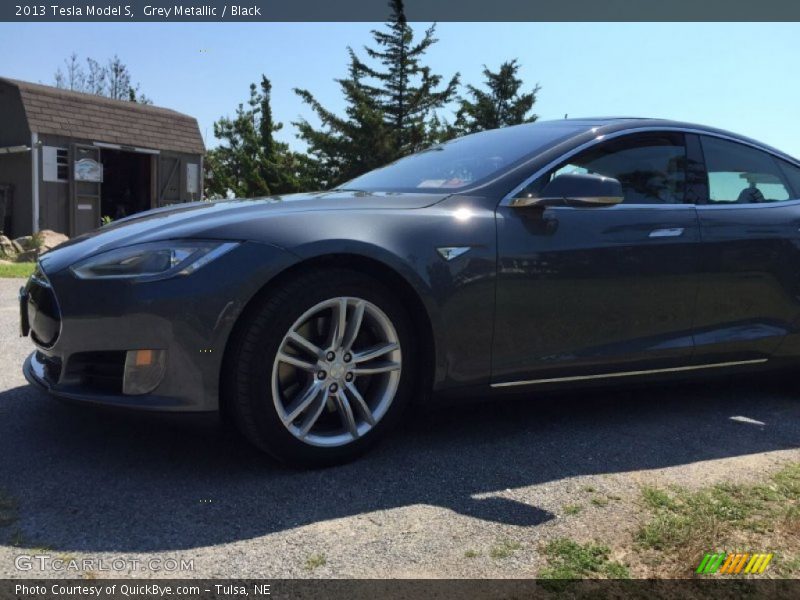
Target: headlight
[{"x": 158, "y": 260}]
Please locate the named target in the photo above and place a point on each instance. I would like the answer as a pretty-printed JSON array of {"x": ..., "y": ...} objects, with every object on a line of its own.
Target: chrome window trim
[{"x": 509, "y": 197}]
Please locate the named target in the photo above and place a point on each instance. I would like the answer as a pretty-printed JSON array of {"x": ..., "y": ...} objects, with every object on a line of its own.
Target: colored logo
[{"x": 734, "y": 564}]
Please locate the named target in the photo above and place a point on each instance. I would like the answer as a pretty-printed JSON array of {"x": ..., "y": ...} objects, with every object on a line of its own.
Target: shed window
[
  {"x": 62, "y": 162},
  {"x": 55, "y": 164}
]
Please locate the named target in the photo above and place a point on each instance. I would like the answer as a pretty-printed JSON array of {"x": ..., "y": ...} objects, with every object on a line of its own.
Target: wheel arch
[{"x": 411, "y": 295}]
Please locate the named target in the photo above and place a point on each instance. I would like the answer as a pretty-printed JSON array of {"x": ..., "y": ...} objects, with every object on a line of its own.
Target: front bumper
[
  {"x": 82, "y": 342},
  {"x": 36, "y": 369}
]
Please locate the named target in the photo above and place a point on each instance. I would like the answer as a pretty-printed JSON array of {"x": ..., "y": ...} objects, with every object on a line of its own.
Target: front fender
[{"x": 457, "y": 294}]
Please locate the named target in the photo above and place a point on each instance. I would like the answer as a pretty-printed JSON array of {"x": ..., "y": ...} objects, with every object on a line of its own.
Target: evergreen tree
[
  {"x": 391, "y": 107},
  {"x": 250, "y": 161},
  {"x": 408, "y": 92},
  {"x": 498, "y": 106},
  {"x": 347, "y": 146}
]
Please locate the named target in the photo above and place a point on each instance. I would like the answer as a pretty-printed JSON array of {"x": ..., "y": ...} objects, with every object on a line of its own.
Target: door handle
[{"x": 666, "y": 232}]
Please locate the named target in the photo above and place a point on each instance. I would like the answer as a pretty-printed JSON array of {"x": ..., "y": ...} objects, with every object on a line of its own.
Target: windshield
[{"x": 465, "y": 161}]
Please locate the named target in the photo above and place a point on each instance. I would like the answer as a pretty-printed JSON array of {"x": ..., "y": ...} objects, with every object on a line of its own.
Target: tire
[{"x": 268, "y": 378}]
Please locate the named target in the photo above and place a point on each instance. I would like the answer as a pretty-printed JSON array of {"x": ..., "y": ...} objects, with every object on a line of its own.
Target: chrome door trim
[
  {"x": 509, "y": 197},
  {"x": 630, "y": 373},
  {"x": 666, "y": 232}
]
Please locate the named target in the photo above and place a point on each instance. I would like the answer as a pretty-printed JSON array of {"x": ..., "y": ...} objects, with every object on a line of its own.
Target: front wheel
[{"x": 323, "y": 368}]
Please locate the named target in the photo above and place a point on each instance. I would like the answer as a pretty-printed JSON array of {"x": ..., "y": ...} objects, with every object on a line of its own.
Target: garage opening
[{"x": 127, "y": 183}]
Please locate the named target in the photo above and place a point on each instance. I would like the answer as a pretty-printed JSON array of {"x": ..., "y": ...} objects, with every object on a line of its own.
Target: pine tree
[
  {"x": 408, "y": 92},
  {"x": 250, "y": 162},
  {"x": 391, "y": 108},
  {"x": 498, "y": 106},
  {"x": 347, "y": 146}
]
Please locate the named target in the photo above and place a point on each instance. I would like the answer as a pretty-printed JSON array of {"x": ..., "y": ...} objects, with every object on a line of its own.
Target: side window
[
  {"x": 741, "y": 174},
  {"x": 792, "y": 173},
  {"x": 650, "y": 167}
]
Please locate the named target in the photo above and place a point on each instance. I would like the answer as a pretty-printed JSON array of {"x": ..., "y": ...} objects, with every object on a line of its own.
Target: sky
[{"x": 743, "y": 77}]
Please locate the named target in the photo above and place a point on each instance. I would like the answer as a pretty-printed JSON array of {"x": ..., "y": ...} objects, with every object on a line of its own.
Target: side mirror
[{"x": 573, "y": 189}]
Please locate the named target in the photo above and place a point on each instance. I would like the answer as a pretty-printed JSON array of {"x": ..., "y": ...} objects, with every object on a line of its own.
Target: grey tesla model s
[{"x": 542, "y": 255}]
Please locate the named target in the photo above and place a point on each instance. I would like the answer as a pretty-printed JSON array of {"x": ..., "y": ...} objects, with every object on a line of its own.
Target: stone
[
  {"x": 49, "y": 239},
  {"x": 25, "y": 242},
  {"x": 7, "y": 247}
]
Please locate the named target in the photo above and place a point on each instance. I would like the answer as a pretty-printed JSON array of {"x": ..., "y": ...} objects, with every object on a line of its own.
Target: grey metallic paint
[{"x": 540, "y": 294}]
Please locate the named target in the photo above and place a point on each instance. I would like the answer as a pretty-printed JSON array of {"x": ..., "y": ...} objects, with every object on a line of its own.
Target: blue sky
[{"x": 742, "y": 77}]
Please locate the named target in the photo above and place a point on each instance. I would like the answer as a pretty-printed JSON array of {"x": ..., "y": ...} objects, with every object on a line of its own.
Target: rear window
[
  {"x": 792, "y": 173},
  {"x": 741, "y": 174}
]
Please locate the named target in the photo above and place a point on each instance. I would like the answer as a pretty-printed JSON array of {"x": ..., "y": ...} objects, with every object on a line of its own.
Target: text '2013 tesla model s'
[{"x": 523, "y": 258}]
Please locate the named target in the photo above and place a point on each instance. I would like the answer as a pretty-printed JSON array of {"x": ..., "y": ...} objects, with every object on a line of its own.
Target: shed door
[
  {"x": 169, "y": 180},
  {"x": 86, "y": 178}
]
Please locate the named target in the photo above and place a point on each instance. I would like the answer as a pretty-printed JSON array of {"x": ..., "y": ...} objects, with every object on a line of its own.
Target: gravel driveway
[{"x": 435, "y": 500}]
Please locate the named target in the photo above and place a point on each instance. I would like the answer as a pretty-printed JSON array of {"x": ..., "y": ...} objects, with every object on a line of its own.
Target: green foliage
[
  {"x": 500, "y": 105},
  {"x": 391, "y": 105},
  {"x": 392, "y": 102},
  {"x": 250, "y": 162},
  {"x": 347, "y": 146},
  {"x": 21, "y": 270},
  {"x": 504, "y": 549},
  {"x": 568, "y": 559},
  {"x": 709, "y": 518},
  {"x": 315, "y": 561}
]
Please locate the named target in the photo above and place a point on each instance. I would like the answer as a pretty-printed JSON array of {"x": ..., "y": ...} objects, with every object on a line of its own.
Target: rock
[
  {"x": 49, "y": 239},
  {"x": 25, "y": 242},
  {"x": 28, "y": 247},
  {"x": 7, "y": 248}
]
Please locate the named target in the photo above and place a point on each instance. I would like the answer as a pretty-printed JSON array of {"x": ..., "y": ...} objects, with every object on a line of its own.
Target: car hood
[{"x": 218, "y": 220}]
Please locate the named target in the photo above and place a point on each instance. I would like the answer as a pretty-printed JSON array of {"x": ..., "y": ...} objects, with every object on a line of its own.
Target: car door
[
  {"x": 584, "y": 292},
  {"x": 750, "y": 225}
]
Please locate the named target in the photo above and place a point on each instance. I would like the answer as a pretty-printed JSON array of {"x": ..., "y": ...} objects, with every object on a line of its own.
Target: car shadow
[{"x": 92, "y": 480}]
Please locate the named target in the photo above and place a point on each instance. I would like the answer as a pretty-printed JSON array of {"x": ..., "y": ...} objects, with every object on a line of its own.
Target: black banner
[
  {"x": 416, "y": 10},
  {"x": 402, "y": 589}
]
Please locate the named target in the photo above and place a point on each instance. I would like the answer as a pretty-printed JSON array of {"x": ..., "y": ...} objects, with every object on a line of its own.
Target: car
[{"x": 526, "y": 259}]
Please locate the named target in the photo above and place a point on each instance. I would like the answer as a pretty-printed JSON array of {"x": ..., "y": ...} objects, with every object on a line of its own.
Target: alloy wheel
[{"x": 336, "y": 372}]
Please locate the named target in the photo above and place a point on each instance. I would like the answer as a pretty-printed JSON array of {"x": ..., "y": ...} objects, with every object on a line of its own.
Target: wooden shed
[{"x": 68, "y": 159}]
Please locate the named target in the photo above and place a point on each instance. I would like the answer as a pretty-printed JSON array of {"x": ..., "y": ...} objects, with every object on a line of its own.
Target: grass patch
[
  {"x": 22, "y": 270},
  {"x": 572, "y": 509},
  {"x": 568, "y": 559},
  {"x": 504, "y": 549},
  {"x": 471, "y": 554},
  {"x": 588, "y": 489},
  {"x": 786, "y": 567},
  {"x": 315, "y": 561},
  {"x": 600, "y": 501},
  {"x": 723, "y": 517}
]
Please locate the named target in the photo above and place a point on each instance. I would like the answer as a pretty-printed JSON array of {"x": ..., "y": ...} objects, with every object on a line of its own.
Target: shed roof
[{"x": 87, "y": 116}]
